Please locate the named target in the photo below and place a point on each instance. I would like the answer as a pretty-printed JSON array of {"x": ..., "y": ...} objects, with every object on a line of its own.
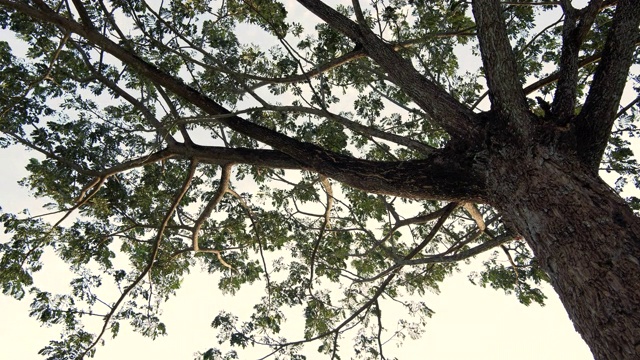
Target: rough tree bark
[
  {"x": 541, "y": 173},
  {"x": 584, "y": 236},
  {"x": 546, "y": 184}
]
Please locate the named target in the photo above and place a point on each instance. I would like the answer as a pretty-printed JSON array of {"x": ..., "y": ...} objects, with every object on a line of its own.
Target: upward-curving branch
[
  {"x": 501, "y": 73},
  {"x": 594, "y": 123}
]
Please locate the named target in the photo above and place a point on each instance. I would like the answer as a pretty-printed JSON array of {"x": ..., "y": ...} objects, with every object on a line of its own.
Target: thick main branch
[
  {"x": 593, "y": 125},
  {"x": 457, "y": 120},
  {"x": 440, "y": 176},
  {"x": 505, "y": 90},
  {"x": 573, "y": 33}
]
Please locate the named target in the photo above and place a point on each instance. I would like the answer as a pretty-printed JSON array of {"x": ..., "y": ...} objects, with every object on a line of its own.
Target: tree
[{"x": 150, "y": 118}]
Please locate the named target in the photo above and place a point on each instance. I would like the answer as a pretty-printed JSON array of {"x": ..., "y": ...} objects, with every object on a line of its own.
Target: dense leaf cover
[{"x": 146, "y": 184}]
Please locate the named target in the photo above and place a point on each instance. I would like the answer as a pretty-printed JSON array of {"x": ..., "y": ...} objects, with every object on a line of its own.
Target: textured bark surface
[
  {"x": 588, "y": 241},
  {"x": 594, "y": 123}
]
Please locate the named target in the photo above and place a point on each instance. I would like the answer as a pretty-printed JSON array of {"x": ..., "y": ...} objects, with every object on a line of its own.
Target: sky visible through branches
[{"x": 469, "y": 321}]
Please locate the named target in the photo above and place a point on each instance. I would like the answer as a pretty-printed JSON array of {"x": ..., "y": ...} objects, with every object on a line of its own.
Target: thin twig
[{"x": 152, "y": 256}]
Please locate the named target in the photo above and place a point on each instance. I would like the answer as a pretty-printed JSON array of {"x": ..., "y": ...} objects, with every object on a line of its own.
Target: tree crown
[{"x": 333, "y": 155}]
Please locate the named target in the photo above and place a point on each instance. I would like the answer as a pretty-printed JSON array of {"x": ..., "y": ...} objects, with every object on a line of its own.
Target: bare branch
[
  {"x": 356, "y": 127},
  {"x": 626, "y": 108},
  {"x": 455, "y": 118},
  {"x": 446, "y": 212},
  {"x": 378, "y": 177},
  {"x": 443, "y": 215},
  {"x": 555, "y": 76},
  {"x": 215, "y": 200},
  {"x": 488, "y": 245},
  {"x": 82, "y": 11},
  {"x": 513, "y": 264},
  {"x": 346, "y": 58},
  {"x": 152, "y": 256},
  {"x": 593, "y": 124},
  {"x": 138, "y": 105},
  {"x": 576, "y": 25},
  {"x": 326, "y": 184},
  {"x": 473, "y": 211},
  {"x": 378, "y": 313},
  {"x": 421, "y": 219},
  {"x": 505, "y": 91}
]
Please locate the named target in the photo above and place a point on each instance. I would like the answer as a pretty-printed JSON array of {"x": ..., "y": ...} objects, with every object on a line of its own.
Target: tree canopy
[{"x": 339, "y": 156}]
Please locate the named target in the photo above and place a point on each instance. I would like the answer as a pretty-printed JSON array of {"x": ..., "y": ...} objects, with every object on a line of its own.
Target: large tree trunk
[{"x": 586, "y": 238}]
